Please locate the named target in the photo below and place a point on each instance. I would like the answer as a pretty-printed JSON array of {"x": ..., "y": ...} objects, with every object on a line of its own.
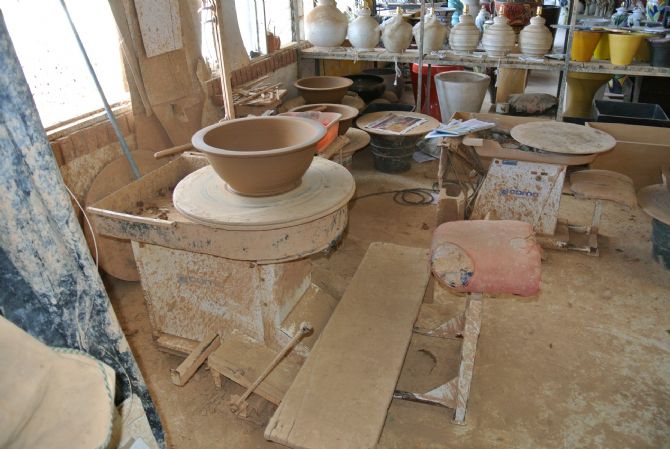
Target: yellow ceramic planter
[
  {"x": 623, "y": 47},
  {"x": 583, "y": 44},
  {"x": 581, "y": 89},
  {"x": 602, "y": 50}
]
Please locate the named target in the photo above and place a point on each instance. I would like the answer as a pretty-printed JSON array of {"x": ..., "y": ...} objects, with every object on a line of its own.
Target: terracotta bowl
[
  {"x": 348, "y": 113},
  {"x": 260, "y": 156},
  {"x": 323, "y": 89}
]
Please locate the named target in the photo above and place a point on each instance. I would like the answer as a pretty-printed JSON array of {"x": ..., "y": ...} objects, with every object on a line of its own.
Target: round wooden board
[
  {"x": 655, "y": 201},
  {"x": 564, "y": 138},
  {"x": 358, "y": 139},
  {"x": 366, "y": 119},
  {"x": 115, "y": 256},
  {"x": 203, "y": 197}
]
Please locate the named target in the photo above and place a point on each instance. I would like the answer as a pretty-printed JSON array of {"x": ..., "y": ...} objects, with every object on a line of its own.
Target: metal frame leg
[{"x": 468, "y": 352}]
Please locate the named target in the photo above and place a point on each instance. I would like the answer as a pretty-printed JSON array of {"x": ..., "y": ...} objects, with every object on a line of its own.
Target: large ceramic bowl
[
  {"x": 348, "y": 113},
  {"x": 260, "y": 156},
  {"x": 368, "y": 87},
  {"x": 323, "y": 89}
]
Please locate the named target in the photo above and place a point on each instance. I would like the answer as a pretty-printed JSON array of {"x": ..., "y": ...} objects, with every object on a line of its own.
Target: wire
[
  {"x": 407, "y": 197},
  {"x": 88, "y": 222}
]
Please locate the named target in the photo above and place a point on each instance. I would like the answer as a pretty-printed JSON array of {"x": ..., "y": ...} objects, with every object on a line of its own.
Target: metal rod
[
  {"x": 419, "y": 88},
  {"x": 428, "y": 87},
  {"x": 108, "y": 110}
]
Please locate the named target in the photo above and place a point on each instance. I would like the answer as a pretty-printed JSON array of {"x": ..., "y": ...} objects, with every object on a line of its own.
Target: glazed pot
[
  {"x": 394, "y": 83},
  {"x": 325, "y": 25},
  {"x": 323, "y": 89},
  {"x": 364, "y": 32},
  {"x": 368, "y": 87},
  {"x": 460, "y": 91},
  {"x": 583, "y": 45},
  {"x": 623, "y": 47},
  {"x": 602, "y": 51},
  {"x": 260, "y": 156},
  {"x": 348, "y": 114},
  {"x": 518, "y": 12},
  {"x": 396, "y": 33},
  {"x": 535, "y": 39},
  {"x": 660, "y": 52},
  {"x": 499, "y": 39},
  {"x": 582, "y": 87},
  {"x": 620, "y": 17},
  {"x": 465, "y": 35},
  {"x": 434, "y": 34},
  {"x": 655, "y": 10}
]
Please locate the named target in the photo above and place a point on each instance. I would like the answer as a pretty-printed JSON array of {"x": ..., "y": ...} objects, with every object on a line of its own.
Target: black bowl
[{"x": 368, "y": 87}]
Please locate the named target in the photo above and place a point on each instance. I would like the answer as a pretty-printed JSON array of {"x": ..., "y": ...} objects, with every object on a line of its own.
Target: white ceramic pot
[
  {"x": 396, "y": 34},
  {"x": 364, "y": 31},
  {"x": 325, "y": 25},
  {"x": 499, "y": 39},
  {"x": 465, "y": 35},
  {"x": 434, "y": 34},
  {"x": 535, "y": 39},
  {"x": 460, "y": 91}
]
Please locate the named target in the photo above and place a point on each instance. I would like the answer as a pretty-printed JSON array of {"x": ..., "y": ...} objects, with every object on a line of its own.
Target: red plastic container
[{"x": 434, "y": 70}]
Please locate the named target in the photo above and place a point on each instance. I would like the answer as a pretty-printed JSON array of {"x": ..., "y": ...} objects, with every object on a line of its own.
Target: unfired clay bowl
[
  {"x": 323, "y": 89},
  {"x": 260, "y": 156},
  {"x": 348, "y": 113}
]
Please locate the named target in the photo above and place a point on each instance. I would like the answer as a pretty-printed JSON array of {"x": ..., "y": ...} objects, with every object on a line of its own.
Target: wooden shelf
[{"x": 481, "y": 59}]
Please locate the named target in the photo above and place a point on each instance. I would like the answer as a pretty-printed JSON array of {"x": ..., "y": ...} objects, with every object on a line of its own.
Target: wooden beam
[{"x": 188, "y": 367}]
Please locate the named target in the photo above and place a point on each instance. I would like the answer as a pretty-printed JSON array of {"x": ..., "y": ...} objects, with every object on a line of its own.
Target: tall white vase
[
  {"x": 535, "y": 39},
  {"x": 364, "y": 32},
  {"x": 434, "y": 34},
  {"x": 325, "y": 25},
  {"x": 465, "y": 35},
  {"x": 499, "y": 39},
  {"x": 396, "y": 33}
]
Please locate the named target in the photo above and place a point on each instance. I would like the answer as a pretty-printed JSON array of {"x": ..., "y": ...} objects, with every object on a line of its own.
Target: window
[{"x": 53, "y": 65}]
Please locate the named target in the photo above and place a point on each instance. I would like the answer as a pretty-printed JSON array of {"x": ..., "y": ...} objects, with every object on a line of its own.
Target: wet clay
[{"x": 323, "y": 89}]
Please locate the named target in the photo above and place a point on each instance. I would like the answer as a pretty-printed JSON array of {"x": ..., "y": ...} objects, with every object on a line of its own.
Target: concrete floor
[{"x": 585, "y": 364}]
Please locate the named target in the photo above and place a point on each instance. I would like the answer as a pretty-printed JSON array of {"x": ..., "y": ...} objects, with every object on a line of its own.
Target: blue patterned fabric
[{"x": 49, "y": 285}]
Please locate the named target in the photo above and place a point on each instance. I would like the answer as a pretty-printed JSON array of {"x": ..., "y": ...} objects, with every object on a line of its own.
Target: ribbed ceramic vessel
[
  {"x": 535, "y": 39},
  {"x": 325, "y": 25},
  {"x": 364, "y": 32},
  {"x": 465, "y": 35},
  {"x": 396, "y": 34},
  {"x": 499, "y": 39},
  {"x": 434, "y": 34}
]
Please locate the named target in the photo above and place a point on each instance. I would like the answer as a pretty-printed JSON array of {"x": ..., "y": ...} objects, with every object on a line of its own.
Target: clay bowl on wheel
[
  {"x": 348, "y": 113},
  {"x": 260, "y": 156},
  {"x": 323, "y": 89},
  {"x": 368, "y": 87}
]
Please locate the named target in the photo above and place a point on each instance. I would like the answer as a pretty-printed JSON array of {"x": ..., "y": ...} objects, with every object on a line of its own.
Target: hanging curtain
[{"x": 49, "y": 285}]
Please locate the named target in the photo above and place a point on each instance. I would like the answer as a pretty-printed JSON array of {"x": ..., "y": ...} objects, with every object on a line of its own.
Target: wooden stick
[
  {"x": 226, "y": 86},
  {"x": 174, "y": 150},
  {"x": 188, "y": 367}
]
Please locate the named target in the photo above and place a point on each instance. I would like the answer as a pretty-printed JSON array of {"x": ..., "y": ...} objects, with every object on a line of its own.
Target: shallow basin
[{"x": 323, "y": 89}]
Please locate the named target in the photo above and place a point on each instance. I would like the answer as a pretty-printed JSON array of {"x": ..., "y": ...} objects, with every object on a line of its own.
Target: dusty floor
[{"x": 586, "y": 364}]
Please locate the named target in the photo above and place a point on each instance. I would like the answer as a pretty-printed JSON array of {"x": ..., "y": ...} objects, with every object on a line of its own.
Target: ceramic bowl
[
  {"x": 348, "y": 113},
  {"x": 260, "y": 156},
  {"x": 323, "y": 89},
  {"x": 368, "y": 87}
]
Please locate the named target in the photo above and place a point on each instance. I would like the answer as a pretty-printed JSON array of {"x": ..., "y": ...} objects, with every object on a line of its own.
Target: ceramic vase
[
  {"x": 458, "y": 6},
  {"x": 655, "y": 10},
  {"x": 584, "y": 44},
  {"x": 434, "y": 34},
  {"x": 473, "y": 7},
  {"x": 460, "y": 91},
  {"x": 535, "y": 39},
  {"x": 482, "y": 16},
  {"x": 325, "y": 25},
  {"x": 620, "y": 17},
  {"x": 635, "y": 19},
  {"x": 499, "y": 39},
  {"x": 518, "y": 12},
  {"x": 465, "y": 35},
  {"x": 396, "y": 33},
  {"x": 364, "y": 32},
  {"x": 623, "y": 47}
]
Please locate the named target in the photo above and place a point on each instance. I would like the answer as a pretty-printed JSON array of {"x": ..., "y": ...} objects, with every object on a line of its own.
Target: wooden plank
[
  {"x": 188, "y": 367},
  {"x": 243, "y": 361},
  {"x": 160, "y": 25},
  {"x": 342, "y": 393},
  {"x": 171, "y": 344}
]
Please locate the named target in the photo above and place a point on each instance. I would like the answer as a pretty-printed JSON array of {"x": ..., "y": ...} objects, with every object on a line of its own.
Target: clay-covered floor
[{"x": 586, "y": 364}]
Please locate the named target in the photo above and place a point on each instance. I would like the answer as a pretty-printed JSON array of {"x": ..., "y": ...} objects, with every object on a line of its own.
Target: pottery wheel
[
  {"x": 655, "y": 201},
  {"x": 561, "y": 137},
  {"x": 358, "y": 139},
  {"x": 204, "y": 197}
]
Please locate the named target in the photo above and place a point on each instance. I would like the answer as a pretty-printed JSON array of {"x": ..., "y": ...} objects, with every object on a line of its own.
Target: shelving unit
[{"x": 481, "y": 59}]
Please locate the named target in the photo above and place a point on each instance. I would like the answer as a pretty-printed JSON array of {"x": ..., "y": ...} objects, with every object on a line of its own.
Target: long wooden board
[{"x": 340, "y": 396}]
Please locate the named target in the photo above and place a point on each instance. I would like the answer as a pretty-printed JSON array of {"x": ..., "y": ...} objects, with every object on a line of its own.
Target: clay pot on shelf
[
  {"x": 325, "y": 25},
  {"x": 582, "y": 87},
  {"x": 499, "y": 39},
  {"x": 260, "y": 156},
  {"x": 460, "y": 91},
  {"x": 396, "y": 33},
  {"x": 636, "y": 18},
  {"x": 364, "y": 32},
  {"x": 623, "y": 47},
  {"x": 465, "y": 35},
  {"x": 535, "y": 39},
  {"x": 660, "y": 52},
  {"x": 348, "y": 113},
  {"x": 518, "y": 12},
  {"x": 434, "y": 34},
  {"x": 323, "y": 89},
  {"x": 643, "y": 53},
  {"x": 273, "y": 42},
  {"x": 620, "y": 17},
  {"x": 583, "y": 45},
  {"x": 655, "y": 10},
  {"x": 368, "y": 87}
]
